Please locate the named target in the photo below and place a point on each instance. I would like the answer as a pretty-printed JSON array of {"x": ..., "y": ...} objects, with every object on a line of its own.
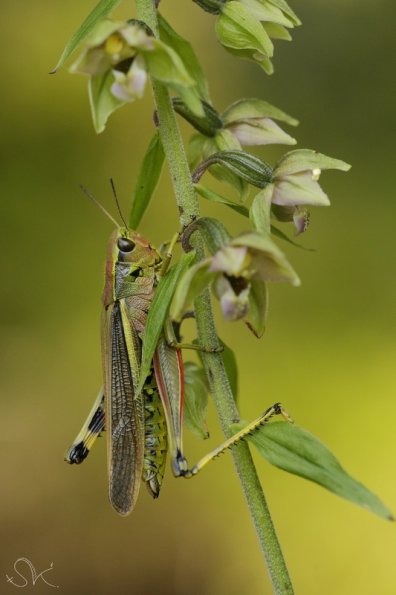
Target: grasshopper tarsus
[{"x": 180, "y": 465}]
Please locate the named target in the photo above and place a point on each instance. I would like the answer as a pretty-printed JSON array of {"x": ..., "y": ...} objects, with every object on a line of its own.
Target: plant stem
[{"x": 220, "y": 389}]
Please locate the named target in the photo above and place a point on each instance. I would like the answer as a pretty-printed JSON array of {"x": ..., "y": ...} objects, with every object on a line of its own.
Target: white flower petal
[
  {"x": 230, "y": 260},
  {"x": 260, "y": 131},
  {"x": 299, "y": 189},
  {"x": 130, "y": 86},
  {"x": 233, "y": 307}
]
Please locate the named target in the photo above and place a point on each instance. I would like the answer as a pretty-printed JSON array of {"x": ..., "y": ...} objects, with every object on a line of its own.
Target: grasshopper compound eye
[{"x": 125, "y": 244}]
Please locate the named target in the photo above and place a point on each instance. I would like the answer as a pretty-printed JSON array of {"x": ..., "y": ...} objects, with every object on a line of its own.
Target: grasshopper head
[
  {"x": 129, "y": 255},
  {"x": 128, "y": 246}
]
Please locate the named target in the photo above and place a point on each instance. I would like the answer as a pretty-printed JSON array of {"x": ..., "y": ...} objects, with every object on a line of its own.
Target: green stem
[{"x": 220, "y": 389}]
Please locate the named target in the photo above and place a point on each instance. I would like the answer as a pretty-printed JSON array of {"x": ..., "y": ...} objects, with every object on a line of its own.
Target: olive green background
[{"x": 328, "y": 355}]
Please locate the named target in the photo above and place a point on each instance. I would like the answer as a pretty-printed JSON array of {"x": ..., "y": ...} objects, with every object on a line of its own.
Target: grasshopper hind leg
[
  {"x": 92, "y": 428},
  {"x": 262, "y": 420},
  {"x": 156, "y": 440}
]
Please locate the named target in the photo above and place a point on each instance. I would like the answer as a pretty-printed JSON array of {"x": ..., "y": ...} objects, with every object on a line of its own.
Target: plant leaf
[
  {"x": 231, "y": 366},
  {"x": 101, "y": 10},
  {"x": 190, "y": 286},
  {"x": 215, "y": 197},
  {"x": 147, "y": 180},
  {"x": 187, "y": 54},
  {"x": 295, "y": 450},
  {"x": 158, "y": 312},
  {"x": 260, "y": 211},
  {"x": 282, "y": 236},
  {"x": 195, "y": 399}
]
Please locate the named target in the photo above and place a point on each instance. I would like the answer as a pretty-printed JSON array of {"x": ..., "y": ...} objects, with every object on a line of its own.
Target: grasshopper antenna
[
  {"x": 97, "y": 203},
  {"x": 117, "y": 203}
]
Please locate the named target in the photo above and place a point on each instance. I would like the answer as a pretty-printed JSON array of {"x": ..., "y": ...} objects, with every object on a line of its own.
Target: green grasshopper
[{"x": 138, "y": 425}]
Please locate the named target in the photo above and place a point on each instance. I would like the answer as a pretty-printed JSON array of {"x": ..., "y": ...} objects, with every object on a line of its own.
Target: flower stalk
[{"x": 220, "y": 389}]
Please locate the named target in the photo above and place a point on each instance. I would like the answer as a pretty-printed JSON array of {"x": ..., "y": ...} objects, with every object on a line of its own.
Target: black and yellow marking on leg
[{"x": 91, "y": 430}]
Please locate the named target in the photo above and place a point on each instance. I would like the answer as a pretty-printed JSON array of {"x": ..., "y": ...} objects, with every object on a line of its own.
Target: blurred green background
[{"x": 328, "y": 355}]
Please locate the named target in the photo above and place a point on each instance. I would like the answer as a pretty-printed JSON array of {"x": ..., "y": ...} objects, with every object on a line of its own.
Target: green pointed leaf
[
  {"x": 101, "y": 10},
  {"x": 102, "y": 101},
  {"x": 187, "y": 54},
  {"x": 215, "y": 197},
  {"x": 190, "y": 286},
  {"x": 195, "y": 149},
  {"x": 231, "y": 366},
  {"x": 295, "y": 450},
  {"x": 256, "y": 319},
  {"x": 260, "y": 211},
  {"x": 255, "y": 108},
  {"x": 147, "y": 180},
  {"x": 195, "y": 399},
  {"x": 248, "y": 167},
  {"x": 282, "y": 236},
  {"x": 158, "y": 312}
]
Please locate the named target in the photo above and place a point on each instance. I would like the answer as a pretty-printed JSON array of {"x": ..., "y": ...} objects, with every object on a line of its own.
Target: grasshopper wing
[{"x": 121, "y": 350}]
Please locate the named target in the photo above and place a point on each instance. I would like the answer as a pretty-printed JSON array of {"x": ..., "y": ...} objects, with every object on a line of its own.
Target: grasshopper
[{"x": 139, "y": 425}]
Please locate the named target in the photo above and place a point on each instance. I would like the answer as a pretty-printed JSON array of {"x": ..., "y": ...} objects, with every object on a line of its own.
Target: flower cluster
[
  {"x": 237, "y": 272},
  {"x": 296, "y": 185},
  {"x": 248, "y": 122},
  {"x": 118, "y": 58},
  {"x": 246, "y": 28}
]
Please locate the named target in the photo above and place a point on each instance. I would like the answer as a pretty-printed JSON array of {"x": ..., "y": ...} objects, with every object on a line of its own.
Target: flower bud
[{"x": 242, "y": 34}]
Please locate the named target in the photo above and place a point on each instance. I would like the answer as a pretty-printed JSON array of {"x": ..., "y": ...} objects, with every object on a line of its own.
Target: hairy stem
[{"x": 220, "y": 389}]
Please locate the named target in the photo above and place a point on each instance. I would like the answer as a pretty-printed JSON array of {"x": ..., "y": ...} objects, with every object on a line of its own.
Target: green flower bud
[
  {"x": 242, "y": 34},
  {"x": 272, "y": 11},
  {"x": 245, "y": 165}
]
